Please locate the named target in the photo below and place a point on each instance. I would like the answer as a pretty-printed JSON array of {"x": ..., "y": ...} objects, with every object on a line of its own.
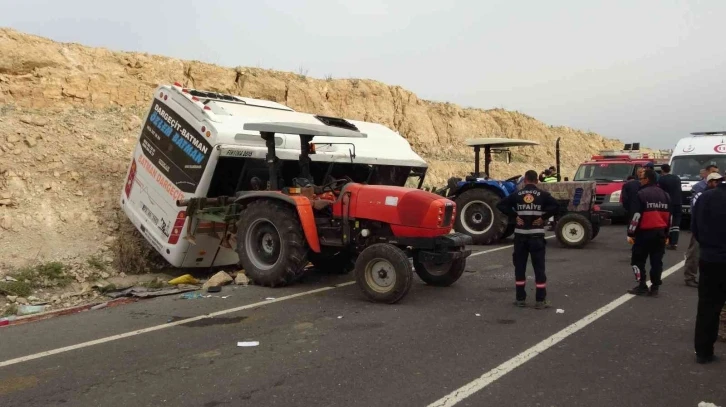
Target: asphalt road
[{"x": 333, "y": 348}]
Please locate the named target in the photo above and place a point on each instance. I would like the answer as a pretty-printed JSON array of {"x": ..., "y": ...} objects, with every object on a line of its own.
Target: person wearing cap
[
  {"x": 672, "y": 185},
  {"x": 690, "y": 270},
  {"x": 708, "y": 225},
  {"x": 629, "y": 193}
]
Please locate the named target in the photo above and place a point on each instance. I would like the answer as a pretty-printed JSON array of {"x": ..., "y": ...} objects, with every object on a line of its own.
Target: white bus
[
  {"x": 691, "y": 154},
  {"x": 192, "y": 144}
]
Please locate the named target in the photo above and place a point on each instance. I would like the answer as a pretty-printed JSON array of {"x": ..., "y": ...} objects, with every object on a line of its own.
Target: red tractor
[{"x": 374, "y": 228}]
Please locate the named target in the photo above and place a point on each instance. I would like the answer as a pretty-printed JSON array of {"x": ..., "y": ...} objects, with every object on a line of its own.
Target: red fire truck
[{"x": 611, "y": 169}]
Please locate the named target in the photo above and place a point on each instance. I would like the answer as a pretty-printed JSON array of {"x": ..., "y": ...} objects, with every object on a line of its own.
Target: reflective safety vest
[{"x": 550, "y": 179}]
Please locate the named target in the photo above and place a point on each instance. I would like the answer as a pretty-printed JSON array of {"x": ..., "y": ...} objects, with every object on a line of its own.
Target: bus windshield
[
  {"x": 604, "y": 172},
  {"x": 687, "y": 167}
]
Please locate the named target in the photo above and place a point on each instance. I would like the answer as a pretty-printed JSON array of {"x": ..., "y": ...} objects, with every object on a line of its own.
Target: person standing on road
[
  {"x": 708, "y": 225},
  {"x": 647, "y": 233},
  {"x": 690, "y": 271},
  {"x": 531, "y": 206},
  {"x": 629, "y": 193},
  {"x": 672, "y": 185}
]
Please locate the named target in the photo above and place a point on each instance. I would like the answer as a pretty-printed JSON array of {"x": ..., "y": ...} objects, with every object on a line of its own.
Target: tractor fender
[
  {"x": 491, "y": 185},
  {"x": 304, "y": 211}
]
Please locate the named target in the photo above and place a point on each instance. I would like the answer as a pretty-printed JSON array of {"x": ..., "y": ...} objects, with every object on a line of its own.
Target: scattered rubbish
[
  {"x": 191, "y": 296},
  {"x": 185, "y": 279},
  {"x": 560, "y": 311},
  {"x": 218, "y": 279},
  {"x": 705, "y": 404},
  {"x": 241, "y": 279},
  {"x": 8, "y": 278},
  {"x": 226, "y": 296},
  {"x": 478, "y": 315},
  {"x": 214, "y": 289},
  {"x": 7, "y": 320},
  {"x": 144, "y": 292},
  {"x": 470, "y": 271},
  {"x": 30, "y": 309},
  {"x": 247, "y": 344},
  {"x": 270, "y": 298},
  {"x": 340, "y": 317},
  {"x": 99, "y": 306}
]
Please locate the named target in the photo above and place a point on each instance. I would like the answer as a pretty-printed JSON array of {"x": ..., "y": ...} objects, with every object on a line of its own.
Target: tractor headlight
[{"x": 615, "y": 196}]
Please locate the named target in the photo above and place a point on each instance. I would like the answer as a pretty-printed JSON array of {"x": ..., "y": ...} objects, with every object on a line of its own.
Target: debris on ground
[
  {"x": 241, "y": 278},
  {"x": 248, "y": 344},
  {"x": 560, "y": 311},
  {"x": 145, "y": 292},
  {"x": 185, "y": 279},
  {"x": 214, "y": 289},
  {"x": 217, "y": 280},
  {"x": 191, "y": 296},
  {"x": 30, "y": 309}
]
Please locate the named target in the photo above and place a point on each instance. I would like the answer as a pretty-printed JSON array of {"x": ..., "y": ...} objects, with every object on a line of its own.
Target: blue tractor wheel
[{"x": 478, "y": 216}]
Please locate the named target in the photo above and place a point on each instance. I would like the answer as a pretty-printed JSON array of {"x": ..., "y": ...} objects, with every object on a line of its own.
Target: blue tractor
[{"x": 477, "y": 195}]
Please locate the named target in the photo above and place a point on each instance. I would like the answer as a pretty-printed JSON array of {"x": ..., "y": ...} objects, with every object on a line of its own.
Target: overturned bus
[{"x": 192, "y": 144}]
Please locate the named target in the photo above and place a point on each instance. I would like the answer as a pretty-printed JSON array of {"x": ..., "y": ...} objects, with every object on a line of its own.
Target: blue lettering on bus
[{"x": 181, "y": 142}]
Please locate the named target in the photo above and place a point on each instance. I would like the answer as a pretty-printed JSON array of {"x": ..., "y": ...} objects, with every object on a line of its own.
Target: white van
[
  {"x": 192, "y": 144},
  {"x": 691, "y": 154}
]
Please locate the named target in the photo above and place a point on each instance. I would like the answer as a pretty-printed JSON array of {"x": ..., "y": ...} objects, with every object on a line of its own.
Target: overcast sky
[{"x": 638, "y": 70}]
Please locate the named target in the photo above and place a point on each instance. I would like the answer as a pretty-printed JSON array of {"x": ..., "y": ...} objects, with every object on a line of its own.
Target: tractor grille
[
  {"x": 599, "y": 198},
  {"x": 448, "y": 212}
]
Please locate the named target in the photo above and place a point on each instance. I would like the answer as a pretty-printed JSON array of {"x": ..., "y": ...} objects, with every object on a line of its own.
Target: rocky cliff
[{"x": 70, "y": 114}]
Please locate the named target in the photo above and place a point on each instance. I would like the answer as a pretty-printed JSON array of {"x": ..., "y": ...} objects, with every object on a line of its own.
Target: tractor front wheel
[
  {"x": 439, "y": 274},
  {"x": 383, "y": 273},
  {"x": 479, "y": 217},
  {"x": 270, "y": 243},
  {"x": 574, "y": 231}
]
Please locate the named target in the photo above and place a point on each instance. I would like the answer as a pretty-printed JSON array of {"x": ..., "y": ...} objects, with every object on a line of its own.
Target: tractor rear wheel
[
  {"x": 574, "y": 231},
  {"x": 342, "y": 262},
  {"x": 271, "y": 244},
  {"x": 478, "y": 216},
  {"x": 440, "y": 274},
  {"x": 383, "y": 273}
]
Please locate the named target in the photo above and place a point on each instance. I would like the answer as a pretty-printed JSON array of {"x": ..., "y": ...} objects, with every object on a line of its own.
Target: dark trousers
[
  {"x": 675, "y": 231},
  {"x": 649, "y": 244},
  {"x": 711, "y": 299},
  {"x": 524, "y": 246}
]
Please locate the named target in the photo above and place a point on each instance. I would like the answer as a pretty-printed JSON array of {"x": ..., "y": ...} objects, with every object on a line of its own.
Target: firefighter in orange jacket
[{"x": 648, "y": 232}]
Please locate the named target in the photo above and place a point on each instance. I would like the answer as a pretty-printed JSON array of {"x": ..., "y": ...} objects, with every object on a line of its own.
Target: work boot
[
  {"x": 639, "y": 290},
  {"x": 692, "y": 283},
  {"x": 653, "y": 291},
  {"x": 702, "y": 360},
  {"x": 542, "y": 304},
  {"x": 520, "y": 303}
]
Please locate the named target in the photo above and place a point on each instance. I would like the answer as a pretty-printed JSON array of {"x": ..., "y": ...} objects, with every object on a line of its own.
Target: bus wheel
[{"x": 270, "y": 244}]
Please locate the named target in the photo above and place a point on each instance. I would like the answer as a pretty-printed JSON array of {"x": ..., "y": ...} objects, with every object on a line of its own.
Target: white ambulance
[
  {"x": 691, "y": 154},
  {"x": 192, "y": 144}
]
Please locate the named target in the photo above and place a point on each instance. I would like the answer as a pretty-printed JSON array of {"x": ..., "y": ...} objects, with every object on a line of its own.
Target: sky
[{"x": 648, "y": 71}]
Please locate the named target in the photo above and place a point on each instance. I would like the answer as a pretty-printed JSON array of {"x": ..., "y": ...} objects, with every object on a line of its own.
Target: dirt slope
[{"x": 70, "y": 114}]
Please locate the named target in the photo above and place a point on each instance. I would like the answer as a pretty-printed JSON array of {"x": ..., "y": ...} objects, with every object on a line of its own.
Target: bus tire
[{"x": 271, "y": 244}]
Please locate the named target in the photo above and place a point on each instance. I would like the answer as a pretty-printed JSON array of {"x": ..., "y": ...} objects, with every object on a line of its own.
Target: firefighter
[
  {"x": 647, "y": 233},
  {"x": 672, "y": 185},
  {"x": 629, "y": 193},
  {"x": 708, "y": 225},
  {"x": 531, "y": 206}
]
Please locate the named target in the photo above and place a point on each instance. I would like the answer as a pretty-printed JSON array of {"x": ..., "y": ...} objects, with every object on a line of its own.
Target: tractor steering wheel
[
  {"x": 513, "y": 179},
  {"x": 333, "y": 185}
]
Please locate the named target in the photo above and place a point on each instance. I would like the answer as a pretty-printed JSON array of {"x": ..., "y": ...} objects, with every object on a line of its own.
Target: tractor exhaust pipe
[{"x": 557, "y": 159}]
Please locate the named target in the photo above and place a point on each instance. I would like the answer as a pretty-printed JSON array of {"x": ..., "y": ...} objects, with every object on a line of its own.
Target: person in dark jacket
[
  {"x": 629, "y": 193},
  {"x": 708, "y": 225},
  {"x": 690, "y": 270},
  {"x": 672, "y": 185},
  {"x": 531, "y": 206},
  {"x": 647, "y": 233}
]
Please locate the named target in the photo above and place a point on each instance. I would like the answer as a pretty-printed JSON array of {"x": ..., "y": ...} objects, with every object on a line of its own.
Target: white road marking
[
  {"x": 267, "y": 301},
  {"x": 167, "y": 325},
  {"x": 498, "y": 372},
  {"x": 501, "y": 248}
]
